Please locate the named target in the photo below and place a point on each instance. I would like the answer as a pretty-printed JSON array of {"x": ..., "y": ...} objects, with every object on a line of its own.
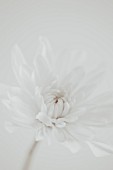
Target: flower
[{"x": 55, "y": 98}]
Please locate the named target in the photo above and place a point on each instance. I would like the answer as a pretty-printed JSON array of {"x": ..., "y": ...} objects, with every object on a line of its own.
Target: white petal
[
  {"x": 95, "y": 76},
  {"x": 71, "y": 141},
  {"x": 55, "y": 111},
  {"x": 68, "y": 60},
  {"x": 14, "y": 124},
  {"x": 74, "y": 78},
  {"x": 60, "y": 107},
  {"x": 73, "y": 145},
  {"x": 43, "y": 106},
  {"x": 88, "y": 86},
  {"x": 83, "y": 94},
  {"x": 22, "y": 122},
  {"x": 71, "y": 118},
  {"x": 21, "y": 69},
  {"x": 47, "y": 50},
  {"x": 51, "y": 110},
  {"x": 80, "y": 132},
  {"x": 100, "y": 149},
  {"x": 43, "y": 67},
  {"x": 19, "y": 106},
  {"x": 66, "y": 109},
  {"x": 26, "y": 80},
  {"x": 59, "y": 134},
  {"x": 24, "y": 97},
  {"x": 102, "y": 99},
  {"x": 48, "y": 134},
  {"x": 17, "y": 60},
  {"x": 38, "y": 98},
  {"x": 44, "y": 118},
  {"x": 98, "y": 115},
  {"x": 60, "y": 124}
]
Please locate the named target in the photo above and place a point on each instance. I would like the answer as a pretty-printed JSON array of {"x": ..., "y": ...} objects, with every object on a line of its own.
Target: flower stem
[{"x": 29, "y": 158}]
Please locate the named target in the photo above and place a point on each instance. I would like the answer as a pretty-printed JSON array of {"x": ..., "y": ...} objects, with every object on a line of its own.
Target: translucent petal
[
  {"x": 17, "y": 60},
  {"x": 95, "y": 75},
  {"x": 52, "y": 110},
  {"x": 98, "y": 115},
  {"x": 66, "y": 109},
  {"x": 26, "y": 80},
  {"x": 23, "y": 120},
  {"x": 48, "y": 135},
  {"x": 83, "y": 94},
  {"x": 102, "y": 99},
  {"x": 43, "y": 106},
  {"x": 21, "y": 69},
  {"x": 80, "y": 132},
  {"x": 37, "y": 98},
  {"x": 14, "y": 124},
  {"x": 68, "y": 60},
  {"x": 61, "y": 125},
  {"x": 44, "y": 118},
  {"x": 70, "y": 141},
  {"x": 89, "y": 85},
  {"x": 100, "y": 149},
  {"x": 20, "y": 106},
  {"x": 47, "y": 50},
  {"x": 42, "y": 66},
  {"x": 58, "y": 108},
  {"x": 24, "y": 97},
  {"x": 74, "y": 78},
  {"x": 58, "y": 134},
  {"x": 73, "y": 145}
]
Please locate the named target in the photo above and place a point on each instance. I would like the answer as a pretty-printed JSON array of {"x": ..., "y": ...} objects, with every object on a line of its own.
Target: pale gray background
[{"x": 84, "y": 24}]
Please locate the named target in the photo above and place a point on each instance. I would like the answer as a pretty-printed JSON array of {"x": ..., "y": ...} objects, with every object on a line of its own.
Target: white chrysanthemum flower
[{"x": 54, "y": 99}]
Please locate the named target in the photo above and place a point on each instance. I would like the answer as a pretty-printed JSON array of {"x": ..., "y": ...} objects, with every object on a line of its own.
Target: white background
[{"x": 83, "y": 24}]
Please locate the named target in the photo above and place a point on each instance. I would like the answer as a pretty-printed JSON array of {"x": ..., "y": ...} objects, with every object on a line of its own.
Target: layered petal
[
  {"x": 64, "y": 137},
  {"x": 42, "y": 64},
  {"x": 55, "y": 97},
  {"x": 59, "y": 134},
  {"x": 11, "y": 126},
  {"x": 73, "y": 79},
  {"x": 23, "y": 72},
  {"x": 98, "y": 116},
  {"x": 68, "y": 60},
  {"x": 100, "y": 149},
  {"x": 86, "y": 90},
  {"x": 73, "y": 145},
  {"x": 42, "y": 117},
  {"x": 80, "y": 132}
]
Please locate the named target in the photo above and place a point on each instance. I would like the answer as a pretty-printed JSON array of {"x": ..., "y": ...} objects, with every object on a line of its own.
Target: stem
[{"x": 29, "y": 158}]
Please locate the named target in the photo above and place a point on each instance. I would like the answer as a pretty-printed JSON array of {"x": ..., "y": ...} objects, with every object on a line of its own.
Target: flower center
[
  {"x": 56, "y": 99},
  {"x": 57, "y": 109},
  {"x": 55, "y": 106}
]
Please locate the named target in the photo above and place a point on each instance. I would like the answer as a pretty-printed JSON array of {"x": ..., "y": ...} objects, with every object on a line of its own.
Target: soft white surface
[{"x": 84, "y": 24}]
